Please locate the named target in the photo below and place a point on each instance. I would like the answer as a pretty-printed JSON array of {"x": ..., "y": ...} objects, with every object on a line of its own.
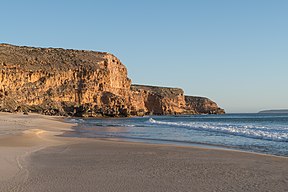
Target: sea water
[{"x": 262, "y": 133}]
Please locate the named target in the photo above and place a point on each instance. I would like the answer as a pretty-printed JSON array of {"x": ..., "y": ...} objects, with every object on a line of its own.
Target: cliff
[
  {"x": 157, "y": 100},
  {"x": 169, "y": 101},
  {"x": 202, "y": 105},
  {"x": 64, "y": 82},
  {"x": 56, "y": 81}
]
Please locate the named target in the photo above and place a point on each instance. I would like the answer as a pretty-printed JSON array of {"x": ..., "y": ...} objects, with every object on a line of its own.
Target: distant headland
[
  {"x": 275, "y": 111},
  {"x": 56, "y": 81}
]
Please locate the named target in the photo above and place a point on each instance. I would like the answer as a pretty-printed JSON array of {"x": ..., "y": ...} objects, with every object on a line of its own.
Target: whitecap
[{"x": 251, "y": 131}]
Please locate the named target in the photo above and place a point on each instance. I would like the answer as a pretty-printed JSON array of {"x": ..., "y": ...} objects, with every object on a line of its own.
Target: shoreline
[
  {"x": 97, "y": 134},
  {"x": 172, "y": 144},
  {"x": 35, "y": 147}
]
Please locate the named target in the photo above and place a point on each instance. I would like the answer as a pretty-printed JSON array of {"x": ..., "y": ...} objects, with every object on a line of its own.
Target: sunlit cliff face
[{"x": 72, "y": 82}]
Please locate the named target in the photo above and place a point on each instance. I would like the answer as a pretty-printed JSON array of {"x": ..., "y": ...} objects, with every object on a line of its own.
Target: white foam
[
  {"x": 252, "y": 131},
  {"x": 76, "y": 120}
]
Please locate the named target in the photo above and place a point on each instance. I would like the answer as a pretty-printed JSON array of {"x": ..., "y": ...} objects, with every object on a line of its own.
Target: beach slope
[{"x": 41, "y": 160}]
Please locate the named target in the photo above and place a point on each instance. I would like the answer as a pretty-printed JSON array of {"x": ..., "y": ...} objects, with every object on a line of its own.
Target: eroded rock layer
[
  {"x": 202, "y": 105},
  {"x": 157, "y": 100},
  {"x": 58, "y": 81}
]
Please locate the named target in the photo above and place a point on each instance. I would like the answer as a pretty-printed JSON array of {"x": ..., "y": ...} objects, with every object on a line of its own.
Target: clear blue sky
[{"x": 234, "y": 52}]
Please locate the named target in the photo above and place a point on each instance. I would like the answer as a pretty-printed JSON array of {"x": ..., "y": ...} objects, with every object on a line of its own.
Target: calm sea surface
[{"x": 262, "y": 133}]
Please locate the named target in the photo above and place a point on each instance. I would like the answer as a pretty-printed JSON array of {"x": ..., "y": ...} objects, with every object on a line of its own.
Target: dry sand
[
  {"x": 34, "y": 158},
  {"x": 20, "y": 136}
]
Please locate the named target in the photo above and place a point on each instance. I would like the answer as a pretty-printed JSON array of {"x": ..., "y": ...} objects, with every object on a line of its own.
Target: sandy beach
[{"x": 35, "y": 157}]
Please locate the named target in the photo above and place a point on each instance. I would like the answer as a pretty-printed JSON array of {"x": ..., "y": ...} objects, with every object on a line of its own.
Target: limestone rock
[
  {"x": 202, "y": 105},
  {"x": 62, "y": 82},
  {"x": 157, "y": 100},
  {"x": 55, "y": 81}
]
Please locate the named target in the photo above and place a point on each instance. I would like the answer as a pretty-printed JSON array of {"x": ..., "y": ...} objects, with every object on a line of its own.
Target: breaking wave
[{"x": 279, "y": 134}]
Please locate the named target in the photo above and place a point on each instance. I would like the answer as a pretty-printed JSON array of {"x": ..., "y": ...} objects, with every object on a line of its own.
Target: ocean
[{"x": 261, "y": 133}]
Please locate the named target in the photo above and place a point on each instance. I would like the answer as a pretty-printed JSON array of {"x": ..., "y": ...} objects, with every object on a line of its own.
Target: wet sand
[{"x": 36, "y": 159}]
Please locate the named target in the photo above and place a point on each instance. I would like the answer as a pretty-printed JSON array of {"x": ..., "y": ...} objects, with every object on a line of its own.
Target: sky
[{"x": 233, "y": 52}]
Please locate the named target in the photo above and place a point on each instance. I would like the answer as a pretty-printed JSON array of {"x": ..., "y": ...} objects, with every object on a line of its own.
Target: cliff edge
[
  {"x": 157, "y": 100},
  {"x": 57, "y": 81}
]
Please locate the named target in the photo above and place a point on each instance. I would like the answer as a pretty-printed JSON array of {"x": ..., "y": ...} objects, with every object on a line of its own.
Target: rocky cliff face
[
  {"x": 169, "y": 101},
  {"x": 157, "y": 100},
  {"x": 202, "y": 105},
  {"x": 58, "y": 81},
  {"x": 81, "y": 83}
]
